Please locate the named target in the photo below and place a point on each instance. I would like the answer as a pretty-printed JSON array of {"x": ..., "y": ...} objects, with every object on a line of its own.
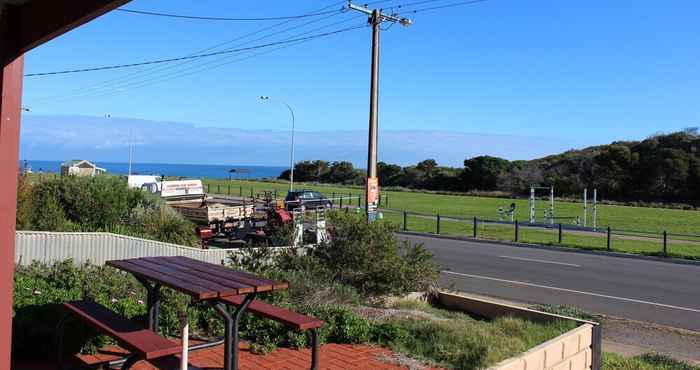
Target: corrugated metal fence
[{"x": 96, "y": 248}]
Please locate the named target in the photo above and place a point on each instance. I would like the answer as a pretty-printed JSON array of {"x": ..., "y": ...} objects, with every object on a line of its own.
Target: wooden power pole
[{"x": 376, "y": 18}]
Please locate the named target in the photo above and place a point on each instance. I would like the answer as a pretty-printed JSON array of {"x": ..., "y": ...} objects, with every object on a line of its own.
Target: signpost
[{"x": 372, "y": 198}]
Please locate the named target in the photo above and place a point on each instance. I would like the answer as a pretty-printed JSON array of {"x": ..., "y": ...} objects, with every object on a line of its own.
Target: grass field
[{"x": 619, "y": 218}]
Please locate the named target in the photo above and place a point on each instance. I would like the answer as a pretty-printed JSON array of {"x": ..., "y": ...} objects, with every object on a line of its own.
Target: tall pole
[
  {"x": 291, "y": 155},
  {"x": 595, "y": 208},
  {"x": 376, "y": 17},
  {"x": 370, "y": 203},
  {"x": 131, "y": 149},
  {"x": 585, "y": 206},
  {"x": 551, "y": 200}
]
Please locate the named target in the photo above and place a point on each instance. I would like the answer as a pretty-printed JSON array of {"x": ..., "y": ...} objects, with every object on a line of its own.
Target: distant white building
[
  {"x": 138, "y": 181},
  {"x": 80, "y": 167}
]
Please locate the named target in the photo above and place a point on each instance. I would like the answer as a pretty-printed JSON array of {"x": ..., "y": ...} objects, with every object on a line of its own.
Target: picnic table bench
[
  {"x": 217, "y": 285},
  {"x": 143, "y": 343}
]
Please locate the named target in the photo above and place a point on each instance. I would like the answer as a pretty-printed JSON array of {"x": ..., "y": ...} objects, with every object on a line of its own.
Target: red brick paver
[{"x": 332, "y": 357}]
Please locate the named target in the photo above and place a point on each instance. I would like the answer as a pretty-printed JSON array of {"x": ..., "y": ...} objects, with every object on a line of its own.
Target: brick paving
[{"x": 332, "y": 357}]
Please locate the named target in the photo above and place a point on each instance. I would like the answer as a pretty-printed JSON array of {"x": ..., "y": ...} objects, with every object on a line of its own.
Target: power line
[
  {"x": 197, "y": 56},
  {"x": 169, "y": 15},
  {"x": 205, "y": 66},
  {"x": 89, "y": 90},
  {"x": 451, "y": 5},
  {"x": 191, "y": 72}
]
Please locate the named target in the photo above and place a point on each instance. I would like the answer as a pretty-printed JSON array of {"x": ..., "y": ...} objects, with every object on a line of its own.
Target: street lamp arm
[{"x": 291, "y": 161}]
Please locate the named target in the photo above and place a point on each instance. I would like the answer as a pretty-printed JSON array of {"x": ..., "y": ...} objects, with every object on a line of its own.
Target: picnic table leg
[
  {"x": 184, "y": 358},
  {"x": 152, "y": 302},
  {"x": 231, "y": 331}
]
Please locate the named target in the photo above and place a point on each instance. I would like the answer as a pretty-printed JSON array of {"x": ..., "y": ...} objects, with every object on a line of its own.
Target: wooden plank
[
  {"x": 225, "y": 273},
  {"x": 238, "y": 288},
  {"x": 129, "y": 334},
  {"x": 193, "y": 290},
  {"x": 240, "y": 275},
  {"x": 289, "y": 318},
  {"x": 261, "y": 284},
  {"x": 217, "y": 289}
]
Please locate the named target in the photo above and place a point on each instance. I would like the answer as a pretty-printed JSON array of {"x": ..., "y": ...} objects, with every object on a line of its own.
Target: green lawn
[{"x": 617, "y": 217}]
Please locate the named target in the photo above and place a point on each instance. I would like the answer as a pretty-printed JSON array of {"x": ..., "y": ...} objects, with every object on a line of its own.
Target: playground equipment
[
  {"x": 510, "y": 212},
  {"x": 549, "y": 213},
  {"x": 595, "y": 208}
]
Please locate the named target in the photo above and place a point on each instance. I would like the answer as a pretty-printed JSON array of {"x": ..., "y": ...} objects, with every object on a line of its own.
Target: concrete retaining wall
[{"x": 577, "y": 349}]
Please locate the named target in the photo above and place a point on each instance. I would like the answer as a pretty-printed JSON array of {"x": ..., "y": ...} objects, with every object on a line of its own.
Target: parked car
[{"x": 309, "y": 198}]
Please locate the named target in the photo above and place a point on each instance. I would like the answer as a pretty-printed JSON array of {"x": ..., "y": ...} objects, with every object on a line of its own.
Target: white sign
[{"x": 181, "y": 188}]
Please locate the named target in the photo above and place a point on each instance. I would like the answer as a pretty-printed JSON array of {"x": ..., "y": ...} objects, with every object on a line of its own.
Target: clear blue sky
[{"x": 594, "y": 71}]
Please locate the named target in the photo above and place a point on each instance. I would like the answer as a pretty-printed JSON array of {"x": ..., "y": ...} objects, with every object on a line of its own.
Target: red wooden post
[
  {"x": 23, "y": 27},
  {"x": 10, "y": 111}
]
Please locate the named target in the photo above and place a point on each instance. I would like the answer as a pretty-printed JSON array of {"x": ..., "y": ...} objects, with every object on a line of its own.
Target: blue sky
[{"x": 588, "y": 71}]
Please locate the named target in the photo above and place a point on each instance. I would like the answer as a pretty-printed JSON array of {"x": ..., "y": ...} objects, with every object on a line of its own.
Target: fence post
[
  {"x": 560, "y": 234},
  {"x": 229, "y": 189},
  {"x": 341, "y": 201},
  {"x": 218, "y": 188},
  {"x": 609, "y": 238},
  {"x": 437, "y": 226},
  {"x": 240, "y": 191},
  {"x": 379, "y": 202},
  {"x": 251, "y": 193},
  {"x": 333, "y": 200},
  {"x": 404, "y": 221},
  {"x": 665, "y": 243},
  {"x": 208, "y": 187},
  {"x": 476, "y": 224},
  {"x": 386, "y": 201},
  {"x": 517, "y": 231}
]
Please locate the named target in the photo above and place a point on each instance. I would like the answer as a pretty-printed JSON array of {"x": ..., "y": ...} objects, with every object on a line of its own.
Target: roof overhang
[{"x": 26, "y": 24}]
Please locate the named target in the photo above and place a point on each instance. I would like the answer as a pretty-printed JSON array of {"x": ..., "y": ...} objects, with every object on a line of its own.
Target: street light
[{"x": 291, "y": 161}]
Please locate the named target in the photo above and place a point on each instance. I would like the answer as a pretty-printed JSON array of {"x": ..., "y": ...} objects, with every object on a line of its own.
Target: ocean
[{"x": 169, "y": 169}]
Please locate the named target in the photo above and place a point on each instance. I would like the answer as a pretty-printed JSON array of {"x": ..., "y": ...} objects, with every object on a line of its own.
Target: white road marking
[
  {"x": 540, "y": 261},
  {"x": 575, "y": 291}
]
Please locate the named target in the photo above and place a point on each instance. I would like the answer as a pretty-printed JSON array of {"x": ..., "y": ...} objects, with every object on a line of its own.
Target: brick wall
[
  {"x": 577, "y": 349},
  {"x": 569, "y": 351}
]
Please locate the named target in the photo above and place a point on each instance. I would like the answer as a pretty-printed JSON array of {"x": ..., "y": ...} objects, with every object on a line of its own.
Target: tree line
[{"x": 661, "y": 168}]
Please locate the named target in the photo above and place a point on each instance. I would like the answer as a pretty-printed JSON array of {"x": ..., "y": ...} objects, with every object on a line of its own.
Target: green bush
[
  {"x": 100, "y": 203},
  {"x": 649, "y": 361},
  {"x": 368, "y": 257}
]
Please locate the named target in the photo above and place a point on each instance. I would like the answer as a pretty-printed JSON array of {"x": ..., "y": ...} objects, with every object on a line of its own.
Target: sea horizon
[{"x": 214, "y": 171}]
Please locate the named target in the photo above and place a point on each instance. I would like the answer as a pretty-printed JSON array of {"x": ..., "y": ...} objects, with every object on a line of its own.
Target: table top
[{"x": 201, "y": 280}]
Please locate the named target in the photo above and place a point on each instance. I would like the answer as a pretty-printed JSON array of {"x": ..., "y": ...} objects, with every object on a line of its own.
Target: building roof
[{"x": 75, "y": 162}]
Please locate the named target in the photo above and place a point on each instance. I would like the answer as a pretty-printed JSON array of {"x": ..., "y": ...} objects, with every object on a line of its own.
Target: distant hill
[{"x": 663, "y": 168}]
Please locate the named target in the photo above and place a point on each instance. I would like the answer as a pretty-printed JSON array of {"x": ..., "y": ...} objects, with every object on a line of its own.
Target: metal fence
[
  {"x": 660, "y": 243},
  {"x": 97, "y": 248}
]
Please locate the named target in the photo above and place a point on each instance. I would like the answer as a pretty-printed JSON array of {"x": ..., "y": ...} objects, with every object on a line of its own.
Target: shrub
[
  {"x": 649, "y": 361},
  {"x": 100, "y": 203},
  {"x": 368, "y": 257}
]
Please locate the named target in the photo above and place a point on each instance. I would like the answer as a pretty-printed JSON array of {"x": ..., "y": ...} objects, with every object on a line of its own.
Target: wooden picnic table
[{"x": 203, "y": 282}]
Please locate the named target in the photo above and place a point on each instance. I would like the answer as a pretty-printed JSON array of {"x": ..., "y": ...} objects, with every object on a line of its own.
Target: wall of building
[{"x": 570, "y": 351}]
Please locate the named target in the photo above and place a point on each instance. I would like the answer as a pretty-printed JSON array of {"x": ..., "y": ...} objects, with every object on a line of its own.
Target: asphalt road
[{"x": 650, "y": 291}]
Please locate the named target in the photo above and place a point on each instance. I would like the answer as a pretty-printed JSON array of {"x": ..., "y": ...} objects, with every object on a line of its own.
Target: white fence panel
[{"x": 48, "y": 247}]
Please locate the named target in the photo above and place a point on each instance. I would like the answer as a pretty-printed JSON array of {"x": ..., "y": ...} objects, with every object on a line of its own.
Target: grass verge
[{"x": 649, "y": 361}]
